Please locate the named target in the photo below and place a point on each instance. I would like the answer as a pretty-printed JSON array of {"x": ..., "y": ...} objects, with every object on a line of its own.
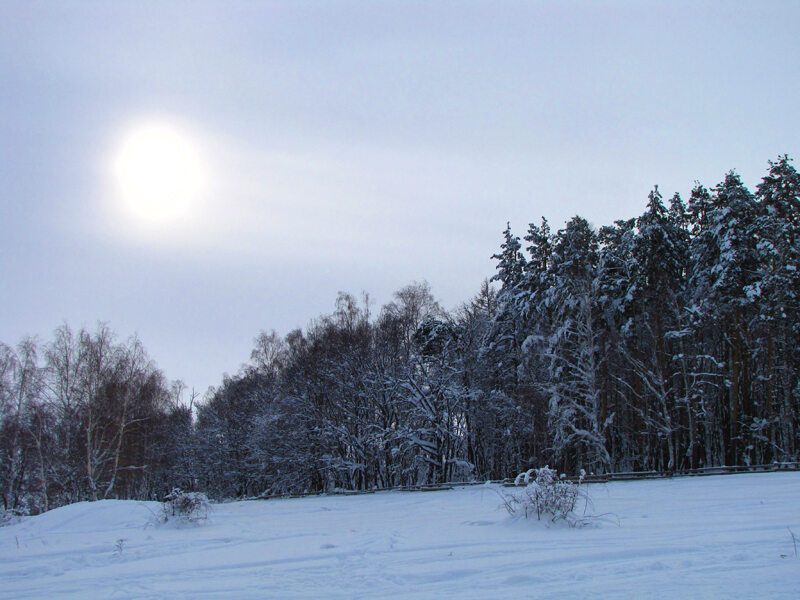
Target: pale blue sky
[{"x": 354, "y": 146}]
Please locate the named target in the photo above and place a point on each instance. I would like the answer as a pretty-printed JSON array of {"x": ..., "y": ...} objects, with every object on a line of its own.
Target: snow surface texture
[{"x": 706, "y": 537}]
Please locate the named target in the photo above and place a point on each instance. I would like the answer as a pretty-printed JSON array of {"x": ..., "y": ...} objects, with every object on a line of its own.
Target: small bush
[
  {"x": 546, "y": 495},
  {"x": 12, "y": 515},
  {"x": 185, "y": 506}
]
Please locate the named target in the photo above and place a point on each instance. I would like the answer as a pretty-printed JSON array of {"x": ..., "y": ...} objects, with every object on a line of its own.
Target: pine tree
[
  {"x": 575, "y": 407},
  {"x": 660, "y": 251},
  {"x": 777, "y": 290},
  {"x": 724, "y": 266},
  {"x": 616, "y": 274},
  {"x": 506, "y": 337},
  {"x": 510, "y": 261}
]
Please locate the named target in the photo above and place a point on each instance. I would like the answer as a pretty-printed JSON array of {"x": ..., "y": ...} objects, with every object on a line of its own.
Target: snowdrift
[{"x": 711, "y": 537}]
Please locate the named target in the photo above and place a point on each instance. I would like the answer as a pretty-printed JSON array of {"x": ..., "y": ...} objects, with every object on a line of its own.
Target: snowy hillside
[{"x": 712, "y": 537}]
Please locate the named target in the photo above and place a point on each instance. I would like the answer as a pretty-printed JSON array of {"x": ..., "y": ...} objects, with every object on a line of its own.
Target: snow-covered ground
[{"x": 712, "y": 537}]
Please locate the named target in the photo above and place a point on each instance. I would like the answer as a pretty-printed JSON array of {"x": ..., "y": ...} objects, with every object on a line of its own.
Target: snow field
[{"x": 708, "y": 537}]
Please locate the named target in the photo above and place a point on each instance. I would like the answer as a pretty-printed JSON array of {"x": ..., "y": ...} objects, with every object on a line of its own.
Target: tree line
[
  {"x": 663, "y": 342},
  {"x": 85, "y": 417}
]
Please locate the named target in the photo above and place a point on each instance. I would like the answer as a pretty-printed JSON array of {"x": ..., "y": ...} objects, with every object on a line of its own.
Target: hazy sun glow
[{"x": 159, "y": 172}]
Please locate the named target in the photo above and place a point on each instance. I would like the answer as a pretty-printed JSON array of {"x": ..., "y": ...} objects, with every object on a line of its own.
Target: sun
[{"x": 159, "y": 172}]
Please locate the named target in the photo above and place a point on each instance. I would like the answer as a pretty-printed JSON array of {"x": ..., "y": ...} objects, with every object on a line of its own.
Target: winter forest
[{"x": 663, "y": 342}]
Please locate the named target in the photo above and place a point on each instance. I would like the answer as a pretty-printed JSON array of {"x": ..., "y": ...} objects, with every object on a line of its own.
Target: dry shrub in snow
[
  {"x": 11, "y": 516},
  {"x": 185, "y": 506},
  {"x": 546, "y": 495}
]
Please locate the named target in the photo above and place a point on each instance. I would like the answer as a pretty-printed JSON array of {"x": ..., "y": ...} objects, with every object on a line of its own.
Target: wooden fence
[{"x": 589, "y": 478}]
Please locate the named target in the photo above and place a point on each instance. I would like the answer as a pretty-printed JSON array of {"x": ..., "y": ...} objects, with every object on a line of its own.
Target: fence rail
[
  {"x": 590, "y": 478},
  {"x": 701, "y": 472}
]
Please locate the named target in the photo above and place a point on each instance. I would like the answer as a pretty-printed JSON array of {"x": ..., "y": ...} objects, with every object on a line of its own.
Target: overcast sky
[{"x": 353, "y": 146}]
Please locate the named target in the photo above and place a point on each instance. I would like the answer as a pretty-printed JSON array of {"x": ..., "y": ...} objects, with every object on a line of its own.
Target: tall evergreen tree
[
  {"x": 574, "y": 383},
  {"x": 777, "y": 289}
]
